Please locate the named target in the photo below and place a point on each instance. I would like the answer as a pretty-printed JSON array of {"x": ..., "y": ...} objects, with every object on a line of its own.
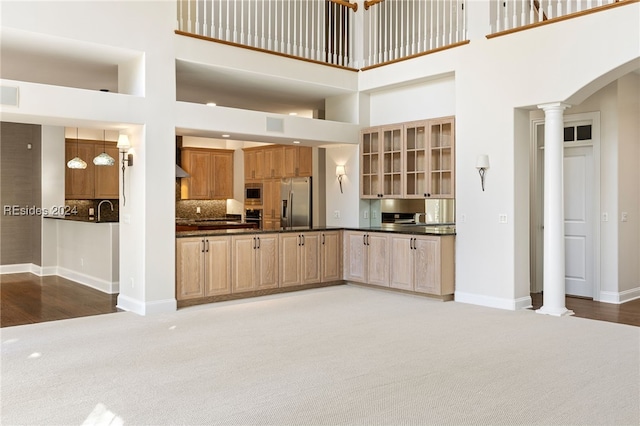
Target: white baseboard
[
  {"x": 621, "y": 297},
  {"x": 93, "y": 282},
  {"x": 19, "y": 268},
  {"x": 149, "y": 308},
  {"x": 493, "y": 302}
]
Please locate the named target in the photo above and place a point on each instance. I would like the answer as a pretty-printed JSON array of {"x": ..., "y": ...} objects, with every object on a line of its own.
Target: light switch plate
[{"x": 502, "y": 218}]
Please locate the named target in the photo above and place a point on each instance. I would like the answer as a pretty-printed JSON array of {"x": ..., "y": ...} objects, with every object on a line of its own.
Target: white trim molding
[
  {"x": 493, "y": 302},
  {"x": 621, "y": 297},
  {"x": 93, "y": 282},
  {"x": 149, "y": 308}
]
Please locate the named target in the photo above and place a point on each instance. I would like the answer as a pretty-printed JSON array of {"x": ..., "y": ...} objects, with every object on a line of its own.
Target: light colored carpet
[{"x": 330, "y": 356}]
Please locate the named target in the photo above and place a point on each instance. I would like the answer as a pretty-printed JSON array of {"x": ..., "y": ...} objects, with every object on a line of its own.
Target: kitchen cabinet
[
  {"x": 271, "y": 204},
  {"x": 423, "y": 264},
  {"x": 106, "y": 177},
  {"x": 366, "y": 257},
  {"x": 255, "y": 262},
  {"x": 331, "y": 256},
  {"x": 381, "y": 161},
  {"x": 211, "y": 173},
  {"x": 298, "y": 161},
  {"x": 408, "y": 160},
  {"x": 442, "y": 158},
  {"x": 274, "y": 162},
  {"x": 299, "y": 258},
  {"x": 203, "y": 267},
  {"x": 94, "y": 182}
]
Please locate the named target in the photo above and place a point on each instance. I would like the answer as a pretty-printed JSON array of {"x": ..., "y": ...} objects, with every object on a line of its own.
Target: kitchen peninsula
[{"x": 230, "y": 264}]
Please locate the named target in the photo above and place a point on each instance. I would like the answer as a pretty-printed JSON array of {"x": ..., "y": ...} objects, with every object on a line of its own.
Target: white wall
[
  {"x": 491, "y": 79},
  {"x": 53, "y": 177}
]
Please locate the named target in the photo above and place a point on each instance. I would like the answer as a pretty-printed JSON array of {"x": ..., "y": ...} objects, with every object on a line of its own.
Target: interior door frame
[{"x": 536, "y": 210}]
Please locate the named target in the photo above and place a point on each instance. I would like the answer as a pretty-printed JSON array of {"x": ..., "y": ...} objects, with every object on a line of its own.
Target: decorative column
[{"x": 553, "y": 302}]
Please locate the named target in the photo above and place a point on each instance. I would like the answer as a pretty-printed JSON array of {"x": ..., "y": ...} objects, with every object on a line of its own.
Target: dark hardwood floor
[
  {"x": 27, "y": 299},
  {"x": 625, "y": 313}
]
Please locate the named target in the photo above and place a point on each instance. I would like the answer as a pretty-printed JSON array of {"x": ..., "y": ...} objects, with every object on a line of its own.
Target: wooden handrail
[
  {"x": 369, "y": 3},
  {"x": 353, "y": 6}
]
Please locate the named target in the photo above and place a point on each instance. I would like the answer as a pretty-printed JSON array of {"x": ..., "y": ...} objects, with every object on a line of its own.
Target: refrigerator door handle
[{"x": 284, "y": 209}]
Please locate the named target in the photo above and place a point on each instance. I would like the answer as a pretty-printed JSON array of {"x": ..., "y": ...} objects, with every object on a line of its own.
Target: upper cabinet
[
  {"x": 94, "y": 182},
  {"x": 277, "y": 161},
  {"x": 409, "y": 160},
  {"x": 211, "y": 173}
]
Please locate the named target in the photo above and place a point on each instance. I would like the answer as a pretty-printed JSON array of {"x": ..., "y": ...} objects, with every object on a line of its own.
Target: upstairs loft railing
[
  {"x": 327, "y": 30},
  {"x": 361, "y": 34},
  {"x": 512, "y": 14}
]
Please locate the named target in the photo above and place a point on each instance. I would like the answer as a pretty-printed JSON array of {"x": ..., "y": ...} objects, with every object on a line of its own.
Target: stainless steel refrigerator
[{"x": 295, "y": 203}]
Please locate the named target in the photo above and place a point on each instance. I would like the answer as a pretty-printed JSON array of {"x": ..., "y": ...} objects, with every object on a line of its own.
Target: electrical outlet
[
  {"x": 336, "y": 214},
  {"x": 624, "y": 217},
  {"x": 463, "y": 218},
  {"x": 366, "y": 214},
  {"x": 605, "y": 217},
  {"x": 197, "y": 210},
  {"x": 375, "y": 214},
  {"x": 502, "y": 218}
]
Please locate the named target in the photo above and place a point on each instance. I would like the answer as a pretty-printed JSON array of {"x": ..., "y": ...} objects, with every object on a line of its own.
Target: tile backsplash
[
  {"x": 208, "y": 209},
  {"x": 106, "y": 215}
]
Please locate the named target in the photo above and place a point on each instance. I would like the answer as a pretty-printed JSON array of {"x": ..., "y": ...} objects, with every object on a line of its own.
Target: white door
[
  {"x": 581, "y": 206},
  {"x": 578, "y": 220}
]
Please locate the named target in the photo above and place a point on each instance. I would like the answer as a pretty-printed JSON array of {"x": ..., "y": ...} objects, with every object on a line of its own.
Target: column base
[{"x": 556, "y": 312}]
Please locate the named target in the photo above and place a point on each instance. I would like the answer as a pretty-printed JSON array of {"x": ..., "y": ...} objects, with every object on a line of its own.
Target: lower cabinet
[
  {"x": 299, "y": 258},
  {"x": 419, "y": 263},
  {"x": 203, "y": 267},
  {"x": 367, "y": 257},
  {"x": 424, "y": 264},
  {"x": 255, "y": 262},
  {"x": 330, "y": 256}
]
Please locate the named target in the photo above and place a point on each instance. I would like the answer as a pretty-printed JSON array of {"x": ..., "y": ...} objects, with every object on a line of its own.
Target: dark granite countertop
[
  {"x": 76, "y": 218},
  {"x": 442, "y": 230}
]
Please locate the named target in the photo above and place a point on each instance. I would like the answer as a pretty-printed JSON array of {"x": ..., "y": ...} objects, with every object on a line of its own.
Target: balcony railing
[
  {"x": 330, "y": 31},
  {"x": 511, "y": 14}
]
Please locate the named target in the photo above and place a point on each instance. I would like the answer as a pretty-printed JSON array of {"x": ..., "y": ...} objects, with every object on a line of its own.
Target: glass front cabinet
[{"x": 409, "y": 160}]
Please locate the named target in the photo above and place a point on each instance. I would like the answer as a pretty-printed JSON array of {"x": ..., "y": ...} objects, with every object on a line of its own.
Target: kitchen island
[
  {"x": 85, "y": 251},
  {"x": 216, "y": 265}
]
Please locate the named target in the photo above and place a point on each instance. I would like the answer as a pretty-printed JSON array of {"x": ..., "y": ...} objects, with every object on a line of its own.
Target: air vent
[
  {"x": 275, "y": 124},
  {"x": 9, "y": 95}
]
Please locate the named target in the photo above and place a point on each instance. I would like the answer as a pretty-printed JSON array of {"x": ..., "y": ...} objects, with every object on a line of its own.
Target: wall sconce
[
  {"x": 127, "y": 159},
  {"x": 340, "y": 172},
  {"x": 482, "y": 164}
]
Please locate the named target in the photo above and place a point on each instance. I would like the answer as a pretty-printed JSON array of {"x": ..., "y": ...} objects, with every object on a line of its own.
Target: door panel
[{"x": 578, "y": 202}]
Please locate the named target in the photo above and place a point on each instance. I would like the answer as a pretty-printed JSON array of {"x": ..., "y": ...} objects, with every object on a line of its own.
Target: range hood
[{"x": 180, "y": 173}]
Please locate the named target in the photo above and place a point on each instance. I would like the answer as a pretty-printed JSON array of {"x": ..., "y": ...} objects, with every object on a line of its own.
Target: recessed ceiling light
[
  {"x": 225, "y": 136},
  {"x": 293, "y": 113},
  {"x": 211, "y": 104},
  {"x": 296, "y": 141}
]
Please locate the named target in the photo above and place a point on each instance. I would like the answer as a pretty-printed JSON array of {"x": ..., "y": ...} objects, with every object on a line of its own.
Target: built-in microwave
[{"x": 253, "y": 194}]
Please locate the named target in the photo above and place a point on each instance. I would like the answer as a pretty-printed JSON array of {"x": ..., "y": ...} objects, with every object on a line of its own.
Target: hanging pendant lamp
[
  {"x": 76, "y": 162},
  {"x": 104, "y": 159}
]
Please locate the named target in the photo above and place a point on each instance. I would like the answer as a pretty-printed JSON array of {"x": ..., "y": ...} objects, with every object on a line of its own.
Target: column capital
[{"x": 554, "y": 106}]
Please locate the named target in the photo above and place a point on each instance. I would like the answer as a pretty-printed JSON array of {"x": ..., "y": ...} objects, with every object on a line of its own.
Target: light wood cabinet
[
  {"x": 211, "y": 173},
  {"x": 423, "y": 264},
  {"x": 94, "y": 182},
  {"x": 203, "y": 267},
  {"x": 255, "y": 262},
  {"x": 273, "y": 162},
  {"x": 366, "y": 257},
  {"x": 300, "y": 258},
  {"x": 408, "y": 160},
  {"x": 331, "y": 256},
  {"x": 271, "y": 204},
  {"x": 298, "y": 161}
]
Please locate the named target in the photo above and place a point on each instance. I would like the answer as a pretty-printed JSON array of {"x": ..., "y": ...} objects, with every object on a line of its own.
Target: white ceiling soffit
[{"x": 200, "y": 83}]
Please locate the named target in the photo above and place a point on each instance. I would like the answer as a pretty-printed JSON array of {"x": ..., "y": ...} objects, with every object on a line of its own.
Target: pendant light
[
  {"x": 104, "y": 159},
  {"x": 76, "y": 162}
]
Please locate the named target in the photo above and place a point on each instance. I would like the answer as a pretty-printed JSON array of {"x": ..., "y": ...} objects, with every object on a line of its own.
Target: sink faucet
[{"x": 100, "y": 205}]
